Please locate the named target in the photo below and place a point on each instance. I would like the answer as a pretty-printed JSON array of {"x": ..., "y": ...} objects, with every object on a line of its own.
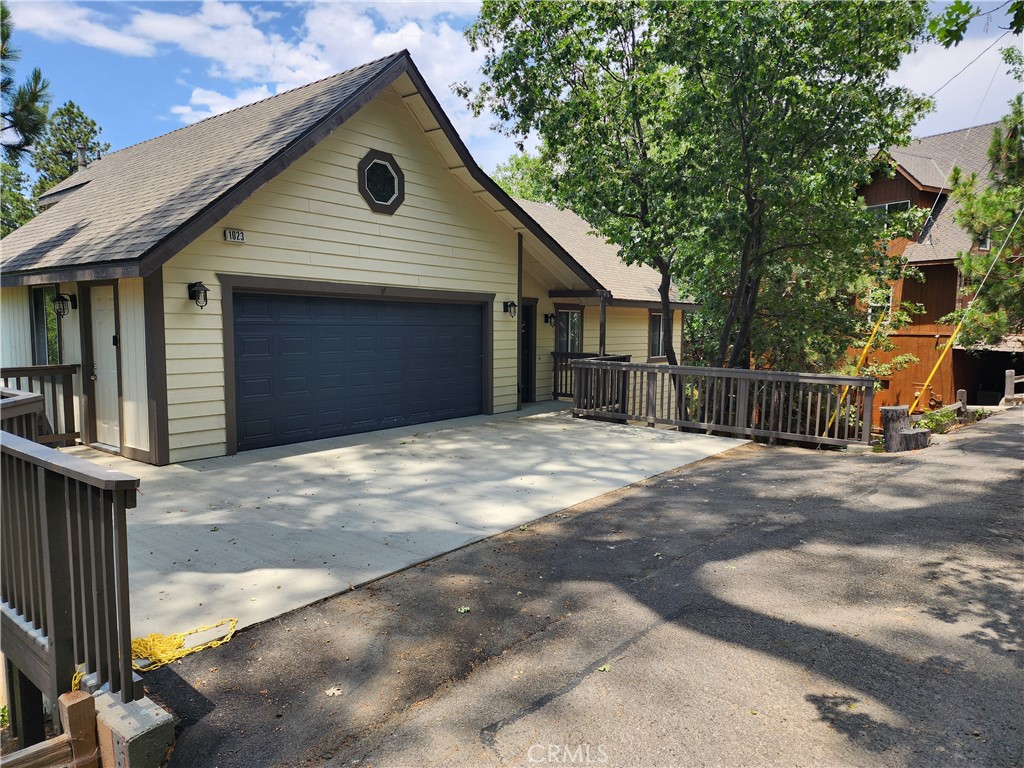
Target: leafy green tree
[
  {"x": 15, "y": 207},
  {"x": 526, "y": 176},
  {"x": 24, "y": 106},
  {"x": 55, "y": 154},
  {"x": 950, "y": 26},
  {"x": 992, "y": 214},
  {"x": 718, "y": 143}
]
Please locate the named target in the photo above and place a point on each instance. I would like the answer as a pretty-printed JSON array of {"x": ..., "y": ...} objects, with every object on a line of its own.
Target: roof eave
[{"x": 491, "y": 186}]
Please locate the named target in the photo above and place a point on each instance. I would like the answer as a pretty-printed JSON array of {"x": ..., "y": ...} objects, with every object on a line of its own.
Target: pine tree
[
  {"x": 15, "y": 206},
  {"x": 24, "y": 106},
  {"x": 55, "y": 155}
]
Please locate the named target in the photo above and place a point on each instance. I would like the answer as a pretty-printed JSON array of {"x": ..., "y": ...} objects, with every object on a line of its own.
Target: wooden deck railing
[
  {"x": 801, "y": 407},
  {"x": 563, "y": 383},
  {"x": 55, "y": 384},
  {"x": 63, "y": 564}
]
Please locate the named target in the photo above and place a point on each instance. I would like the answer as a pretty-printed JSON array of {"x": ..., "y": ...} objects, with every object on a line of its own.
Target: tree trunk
[{"x": 895, "y": 420}]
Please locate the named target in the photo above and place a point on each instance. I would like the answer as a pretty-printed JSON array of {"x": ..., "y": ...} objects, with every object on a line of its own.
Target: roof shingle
[{"x": 125, "y": 204}]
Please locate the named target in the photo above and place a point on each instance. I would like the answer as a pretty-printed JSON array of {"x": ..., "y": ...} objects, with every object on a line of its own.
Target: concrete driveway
[{"x": 256, "y": 535}]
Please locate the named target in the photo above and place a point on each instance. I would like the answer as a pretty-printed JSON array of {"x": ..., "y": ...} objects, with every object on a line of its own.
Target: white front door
[{"x": 104, "y": 375}]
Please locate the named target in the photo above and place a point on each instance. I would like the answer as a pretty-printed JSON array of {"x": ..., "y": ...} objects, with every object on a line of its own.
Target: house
[
  {"x": 326, "y": 261},
  {"x": 921, "y": 179}
]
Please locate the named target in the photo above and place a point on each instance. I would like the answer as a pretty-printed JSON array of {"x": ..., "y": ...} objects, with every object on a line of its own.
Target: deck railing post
[
  {"x": 869, "y": 398},
  {"x": 1010, "y": 385},
  {"x": 57, "y": 575},
  {"x": 652, "y": 397}
]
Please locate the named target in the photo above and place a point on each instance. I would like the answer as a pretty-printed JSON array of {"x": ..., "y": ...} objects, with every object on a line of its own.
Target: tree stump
[
  {"x": 895, "y": 419},
  {"x": 914, "y": 439}
]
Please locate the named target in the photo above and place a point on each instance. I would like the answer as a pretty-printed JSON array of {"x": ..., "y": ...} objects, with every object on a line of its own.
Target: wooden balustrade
[
  {"x": 563, "y": 383},
  {"x": 63, "y": 563},
  {"x": 55, "y": 385},
  {"x": 800, "y": 407}
]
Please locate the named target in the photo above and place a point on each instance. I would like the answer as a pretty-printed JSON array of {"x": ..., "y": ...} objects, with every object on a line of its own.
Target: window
[
  {"x": 569, "y": 330},
  {"x": 381, "y": 182},
  {"x": 985, "y": 242},
  {"x": 45, "y": 328},
  {"x": 884, "y": 209},
  {"x": 880, "y": 300},
  {"x": 655, "y": 335}
]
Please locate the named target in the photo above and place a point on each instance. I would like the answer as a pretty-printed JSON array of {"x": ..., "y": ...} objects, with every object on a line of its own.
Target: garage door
[{"x": 309, "y": 367}]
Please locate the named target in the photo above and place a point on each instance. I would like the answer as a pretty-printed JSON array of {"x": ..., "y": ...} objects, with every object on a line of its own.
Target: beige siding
[
  {"x": 626, "y": 331},
  {"x": 15, "y": 327},
  {"x": 134, "y": 393},
  {"x": 544, "y": 364},
  {"x": 310, "y": 223}
]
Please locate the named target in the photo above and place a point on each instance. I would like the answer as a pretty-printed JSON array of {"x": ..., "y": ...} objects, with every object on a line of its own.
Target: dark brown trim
[
  {"x": 259, "y": 284},
  {"x": 229, "y": 284},
  {"x": 627, "y": 303},
  {"x": 489, "y": 184},
  {"x": 117, "y": 358},
  {"x": 187, "y": 232},
  {"x": 136, "y": 454},
  {"x": 156, "y": 367},
  {"x": 222, "y": 206},
  {"x": 71, "y": 274},
  {"x": 529, "y": 305},
  {"x": 519, "y": 332},
  {"x": 562, "y": 294}
]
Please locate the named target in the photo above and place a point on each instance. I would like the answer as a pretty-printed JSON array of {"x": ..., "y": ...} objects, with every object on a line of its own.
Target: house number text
[{"x": 234, "y": 235}]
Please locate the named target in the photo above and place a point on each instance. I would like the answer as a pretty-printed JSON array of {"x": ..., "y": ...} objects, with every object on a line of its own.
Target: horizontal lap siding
[
  {"x": 15, "y": 327},
  {"x": 311, "y": 223}
]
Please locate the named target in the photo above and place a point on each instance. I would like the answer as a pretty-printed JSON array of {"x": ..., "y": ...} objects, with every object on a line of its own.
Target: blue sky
[{"x": 144, "y": 68}]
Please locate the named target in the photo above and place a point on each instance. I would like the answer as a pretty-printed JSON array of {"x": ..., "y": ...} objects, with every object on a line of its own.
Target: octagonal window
[{"x": 381, "y": 182}]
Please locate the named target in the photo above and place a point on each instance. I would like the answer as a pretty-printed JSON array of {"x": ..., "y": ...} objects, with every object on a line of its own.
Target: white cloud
[
  {"x": 227, "y": 36},
  {"x": 978, "y": 95},
  {"x": 206, "y": 103},
  {"x": 67, "y": 21}
]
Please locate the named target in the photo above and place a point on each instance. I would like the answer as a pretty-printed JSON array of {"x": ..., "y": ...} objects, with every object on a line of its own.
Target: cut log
[
  {"x": 895, "y": 419},
  {"x": 914, "y": 439}
]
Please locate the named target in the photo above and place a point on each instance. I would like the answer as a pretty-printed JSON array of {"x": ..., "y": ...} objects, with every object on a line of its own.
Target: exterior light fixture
[
  {"x": 198, "y": 293},
  {"x": 510, "y": 308},
  {"x": 549, "y": 319},
  {"x": 64, "y": 303}
]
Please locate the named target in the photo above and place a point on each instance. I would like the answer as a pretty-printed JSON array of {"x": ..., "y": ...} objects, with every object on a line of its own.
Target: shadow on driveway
[{"x": 768, "y": 606}]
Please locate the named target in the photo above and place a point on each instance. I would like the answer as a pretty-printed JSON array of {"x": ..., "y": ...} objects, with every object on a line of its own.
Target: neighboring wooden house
[
  {"x": 360, "y": 269},
  {"x": 922, "y": 180}
]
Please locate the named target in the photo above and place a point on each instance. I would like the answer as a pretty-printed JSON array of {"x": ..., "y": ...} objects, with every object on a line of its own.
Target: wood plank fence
[
  {"x": 55, "y": 386},
  {"x": 799, "y": 407},
  {"x": 63, "y": 567}
]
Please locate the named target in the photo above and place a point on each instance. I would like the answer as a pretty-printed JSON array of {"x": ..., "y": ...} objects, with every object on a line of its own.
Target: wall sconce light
[
  {"x": 510, "y": 308},
  {"x": 549, "y": 319},
  {"x": 64, "y": 303},
  {"x": 198, "y": 293}
]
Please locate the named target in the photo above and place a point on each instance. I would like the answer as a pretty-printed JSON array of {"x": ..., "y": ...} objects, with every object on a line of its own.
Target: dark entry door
[
  {"x": 527, "y": 353},
  {"x": 309, "y": 367}
]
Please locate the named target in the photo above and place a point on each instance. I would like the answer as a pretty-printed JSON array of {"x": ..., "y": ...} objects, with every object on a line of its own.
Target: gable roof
[
  {"x": 129, "y": 212},
  {"x": 631, "y": 283},
  {"x": 928, "y": 162}
]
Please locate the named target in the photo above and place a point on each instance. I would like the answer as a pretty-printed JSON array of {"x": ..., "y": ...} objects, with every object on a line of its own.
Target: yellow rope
[
  {"x": 76, "y": 679},
  {"x": 860, "y": 362},
  {"x": 163, "y": 649},
  {"x": 942, "y": 356}
]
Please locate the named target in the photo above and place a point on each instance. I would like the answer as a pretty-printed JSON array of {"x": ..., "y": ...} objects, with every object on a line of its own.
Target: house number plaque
[{"x": 234, "y": 235}]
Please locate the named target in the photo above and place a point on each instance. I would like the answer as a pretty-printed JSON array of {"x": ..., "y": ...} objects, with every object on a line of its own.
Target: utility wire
[
  {"x": 967, "y": 311},
  {"x": 954, "y": 77}
]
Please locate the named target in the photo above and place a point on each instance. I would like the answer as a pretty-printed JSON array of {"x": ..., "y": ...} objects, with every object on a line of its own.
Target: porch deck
[{"x": 267, "y": 531}]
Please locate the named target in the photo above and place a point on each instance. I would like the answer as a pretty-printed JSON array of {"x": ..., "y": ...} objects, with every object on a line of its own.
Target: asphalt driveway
[{"x": 767, "y": 606}]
